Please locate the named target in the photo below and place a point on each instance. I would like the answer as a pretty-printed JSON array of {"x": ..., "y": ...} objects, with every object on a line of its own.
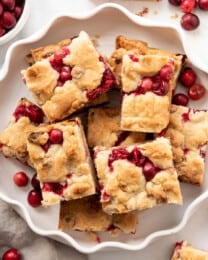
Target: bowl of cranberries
[{"x": 13, "y": 16}]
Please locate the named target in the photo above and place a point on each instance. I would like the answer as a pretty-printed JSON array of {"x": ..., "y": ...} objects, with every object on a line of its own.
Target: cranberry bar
[
  {"x": 69, "y": 79},
  {"x": 124, "y": 45},
  {"x": 147, "y": 84},
  {"x": 61, "y": 158},
  {"x": 137, "y": 177},
  {"x": 86, "y": 214},
  {"x": 13, "y": 139},
  {"x": 185, "y": 251},
  {"x": 104, "y": 129},
  {"x": 188, "y": 134}
]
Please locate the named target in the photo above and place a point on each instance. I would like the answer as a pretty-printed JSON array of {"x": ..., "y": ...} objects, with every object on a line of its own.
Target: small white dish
[
  {"x": 19, "y": 25},
  {"x": 104, "y": 23}
]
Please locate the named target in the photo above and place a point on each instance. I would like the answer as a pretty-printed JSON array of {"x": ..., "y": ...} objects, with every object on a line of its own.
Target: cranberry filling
[
  {"x": 186, "y": 116},
  {"x": 133, "y": 58},
  {"x": 178, "y": 245},
  {"x": 34, "y": 113},
  {"x": 55, "y": 137},
  {"x": 185, "y": 150},
  {"x": 107, "y": 82},
  {"x": 158, "y": 84},
  {"x": 57, "y": 64},
  {"x": 54, "y": 187},
  {"x": 163, "y": 132},
  {"x": 105, "y": 196},
  {"x": 136, "y": 157}
]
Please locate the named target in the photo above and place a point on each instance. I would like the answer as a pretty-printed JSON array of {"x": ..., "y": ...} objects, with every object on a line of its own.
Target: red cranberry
[
  {"x": 146, "y": 84},
  {"x": 166, "y": 72},
  {"x": 60, "y": 54},
  {"x": 136, "y": 157},
  {"x": 187, "y": 77},
  {"x": 174, "y": 2},
  {"x": 116, "y": 154},
  {"x": 34, "y": 198},
  {"x": 12, "y": 254},
  {"x": 203, "y": 4},
  {"x": 1, "y": 9},
  {"x": 21, "y": 179},
  {"x": 105, "y": 196},
  {"x": 133, "y": 58},
  {"x": 189, "y": 21},
  {"x": 178, "y": 245},
  {"x": 185, "y": 117},
  {"x": 107, "y": 82},
  {"x": 33, "y": 112},
  {"x": 8, "y": 20},
  {"x": 8, "y": 4},
  {"x": 161, "y": 89},
  {"x": 187, "y": 6},
  {"x": 196, "y": 91},
  {"x": 2, "y": 31},
  {"x": 149, "y": 170},
  {"x": 57, "y": 188},
  {"x": 65, "y": 74},
  {"x": 180, "y": 99},
  {"x": 56, "y": 136},
  {"x": 35, "y": 182},
  {"x": 18, "y": 11}
]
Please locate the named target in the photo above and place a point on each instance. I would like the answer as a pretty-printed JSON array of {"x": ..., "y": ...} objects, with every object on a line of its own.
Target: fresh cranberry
[
  {"x": 65, "y": 74},
  {"x": 57, "y": 188},
  {"x": 174, "y": 2},
  {"x": 196, "y": 91},
  {"x": 8, "y": 4},
  {"x": 149, "y": 170},
  {"x": 203, "y": 4},
  {"x": 33, "y": 112},
  {"x": 133, "y": 58},
  {"x": 187, "y": 77},
  {"x": 46, "y": 146},
  {"x": 21, "y": 179},
  {"x": 2, "y": 31},
  {"x": 187, "y": 6},
  {"x": 35, "y": 182},
  {"x": 166, "y": 72},
  {"x": 12, "y": 254},
  {"x": 160, "y": 89},
  {"x": 146, "y": 84},
  {"x": 18, "y": 11},
  {"x": 180, "y": 99},
  {"x": 8, "y": 20},
  {"x": 190, "y": 21},
  {"x": 34, "y": 198},
  {"x": 1, "y": 9},
  {"x": 56, "y": 136},
  {"x": 60, "y": 54}
]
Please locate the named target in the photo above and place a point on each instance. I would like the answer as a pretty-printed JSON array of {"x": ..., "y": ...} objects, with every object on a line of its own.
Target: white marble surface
[{"x": 13, "y": 230}]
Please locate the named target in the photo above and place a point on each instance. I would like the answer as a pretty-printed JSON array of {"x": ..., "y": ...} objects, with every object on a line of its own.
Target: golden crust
[
  {"x": 104, "y": 129},
  {"x": 189, "y": 141},
  {"x": 147, "y": 112},
  {"x": 124, "y": 46},
  {"x": 86, "y": 71},
  {"x": 186, "y": 251},
  {"x": 68, "y": 163},
  {"x": 86, "y": 214},
  {"x": 125, "y": 188}
]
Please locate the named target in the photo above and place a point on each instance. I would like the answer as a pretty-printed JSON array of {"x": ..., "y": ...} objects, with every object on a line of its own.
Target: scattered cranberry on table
[
  {"x": 21, "y": 179},
  {"x": 180, "y": 99},
  {"x": 10, "y": 12},
  {"x": 34, "y": 198},
  {"x": 12, "y": 254},
  {"x": 189, "y": 20},
  {"x": 196, "y": 91},
  {"x": 187, "y": 77}
]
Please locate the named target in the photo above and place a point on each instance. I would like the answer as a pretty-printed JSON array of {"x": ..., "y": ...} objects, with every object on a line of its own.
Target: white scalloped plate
[{"x": 106, "y": 21}]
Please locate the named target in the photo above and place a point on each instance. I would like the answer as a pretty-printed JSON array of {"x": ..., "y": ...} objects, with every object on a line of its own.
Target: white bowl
[
  {"x": 19, "y": 25},
  {"x": 103, "y": 23}
]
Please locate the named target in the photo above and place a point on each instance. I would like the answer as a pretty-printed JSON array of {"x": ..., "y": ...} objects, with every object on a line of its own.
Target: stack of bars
[{"x": 141, "y": 148}]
